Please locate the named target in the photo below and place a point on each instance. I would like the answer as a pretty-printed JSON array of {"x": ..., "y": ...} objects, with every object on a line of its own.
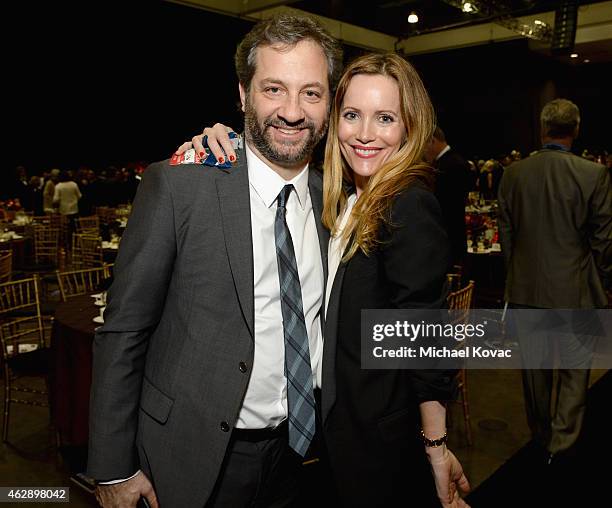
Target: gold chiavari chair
[
  {"x": 48, "y": 255},
  {"x": 81, "y": 282},
  {"x": 46, "y": 245},
  {"x": 86, "y": 251},
  {"x": 460, "y": 302},
  {"x": 56, "y": 221},
  {"x": 24, "y": 350},
  {"x": 92, "y": 253}
]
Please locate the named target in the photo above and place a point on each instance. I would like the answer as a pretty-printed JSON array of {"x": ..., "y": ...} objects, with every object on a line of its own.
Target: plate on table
[
  {"x": 99, "y": 303},
  {"x": 97, "y": 296},
  {"x": 98, "y": 320}
]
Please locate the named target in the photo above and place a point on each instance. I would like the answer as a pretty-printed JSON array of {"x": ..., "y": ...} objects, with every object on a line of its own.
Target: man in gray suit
[
  {"x": 207, "y": 363},
  {"x": 556, "y": 229}
]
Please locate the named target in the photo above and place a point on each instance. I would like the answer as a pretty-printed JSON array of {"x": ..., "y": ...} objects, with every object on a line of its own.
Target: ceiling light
[
  {"x": 413, "y": 18},
  {"x": 587, "y": 60},
  {"x": 574, "y": 55}
]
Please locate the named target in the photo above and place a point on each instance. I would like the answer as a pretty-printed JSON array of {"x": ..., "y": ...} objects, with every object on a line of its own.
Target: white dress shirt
[
  {"x": 443, "y": 151},
  {"x": 336, "y": 248},
  {"x": 265, "y": 402}
]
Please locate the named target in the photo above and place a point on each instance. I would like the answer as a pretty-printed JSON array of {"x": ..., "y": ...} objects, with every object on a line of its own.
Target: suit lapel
[
  {"x": 234, "y": 202},
  {"x": 315, "y": 186},
  {"x": 328, "y": 382}
]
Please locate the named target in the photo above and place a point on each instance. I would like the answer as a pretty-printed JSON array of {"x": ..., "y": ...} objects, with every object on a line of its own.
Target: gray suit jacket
[
  {"x": 167, "y": 383},
  {"x": 555, "y": 222}
]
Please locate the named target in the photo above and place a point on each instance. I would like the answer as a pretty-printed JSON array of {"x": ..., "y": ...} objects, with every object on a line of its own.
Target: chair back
[
  {"x": 20, "y": 317},
  {"x": 6, "y": 266},
  {"x": 56, "y": 221},
  {"x": 460, "y": 302},
  {"x": 88, "y": 225},
  {"x": 87, "y": 251},
  {"x": 46, "y": 245},
  {"x": 462, "y": 298},
  {"x": 81, "y": 282}
]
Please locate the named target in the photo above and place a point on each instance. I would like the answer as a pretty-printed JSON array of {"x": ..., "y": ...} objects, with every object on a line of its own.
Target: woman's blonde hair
[{"x": 405, "y": 167}]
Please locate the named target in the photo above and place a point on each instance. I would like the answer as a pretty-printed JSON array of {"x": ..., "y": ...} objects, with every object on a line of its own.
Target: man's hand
[
  {"x": 449, "y": 478},
  {"x": 126, "y": 494},
  {"x": 218, "y": 142}
]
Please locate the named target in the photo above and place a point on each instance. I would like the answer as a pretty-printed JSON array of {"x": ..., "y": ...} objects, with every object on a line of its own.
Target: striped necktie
[{"x": 300, "y": 396}]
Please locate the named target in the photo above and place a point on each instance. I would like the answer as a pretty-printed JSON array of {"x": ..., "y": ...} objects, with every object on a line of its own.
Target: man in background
[
  {"x": 555, "y": 222},
  {"x": 453, "y": 182}
]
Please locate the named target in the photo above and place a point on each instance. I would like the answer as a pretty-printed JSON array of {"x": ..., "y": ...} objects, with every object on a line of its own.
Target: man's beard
[{"x": 286, "y": 153}]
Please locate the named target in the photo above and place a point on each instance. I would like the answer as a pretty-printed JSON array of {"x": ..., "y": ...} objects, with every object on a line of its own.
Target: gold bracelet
[{"x": 433, "y": 443}]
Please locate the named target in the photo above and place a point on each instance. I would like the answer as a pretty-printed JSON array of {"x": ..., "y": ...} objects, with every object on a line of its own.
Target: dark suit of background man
[
  {"x": 556, "y": 231},
  {"x": 189, "y": 383},
  {"x": 453, "y": 182}
]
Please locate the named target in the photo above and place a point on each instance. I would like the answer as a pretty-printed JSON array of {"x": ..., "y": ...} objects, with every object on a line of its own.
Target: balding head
[{"x": 560, "y": 119}]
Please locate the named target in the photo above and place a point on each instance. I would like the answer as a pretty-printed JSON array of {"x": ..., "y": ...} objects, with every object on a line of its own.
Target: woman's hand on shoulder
[{"x": 218, "y": 142}]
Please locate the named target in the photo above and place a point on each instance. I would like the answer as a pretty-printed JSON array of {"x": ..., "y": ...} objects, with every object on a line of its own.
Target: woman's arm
[
  {"x": 449, "y": 477},
  {"x": 416, "y": 257}
]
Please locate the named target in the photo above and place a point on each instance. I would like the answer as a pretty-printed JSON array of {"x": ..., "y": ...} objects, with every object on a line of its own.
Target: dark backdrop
[
  {"x": 111, "y": 82},
  {"x": 488, "y": 98},
  {"x": 123, "y": 81}
]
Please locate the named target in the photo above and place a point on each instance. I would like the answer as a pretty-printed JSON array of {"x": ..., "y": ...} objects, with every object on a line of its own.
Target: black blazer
[{"x": 371, "y": 417}]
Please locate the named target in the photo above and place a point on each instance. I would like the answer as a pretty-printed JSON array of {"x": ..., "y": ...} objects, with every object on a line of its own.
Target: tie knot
[{"x": 283, "y": 196}]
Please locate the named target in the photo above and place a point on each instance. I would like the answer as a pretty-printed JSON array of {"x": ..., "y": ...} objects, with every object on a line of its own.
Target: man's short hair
[
  {"x": 560, "y": 118},
  {"x": 287, "y": 30},
  {"x": 439, "y": 134}
]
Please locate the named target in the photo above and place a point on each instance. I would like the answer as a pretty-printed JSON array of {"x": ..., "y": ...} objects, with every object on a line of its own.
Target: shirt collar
[
  {"x": 555, "y": 146},
  {"x": 443, "y": 151},
  {"x": 267, "y": 183}
]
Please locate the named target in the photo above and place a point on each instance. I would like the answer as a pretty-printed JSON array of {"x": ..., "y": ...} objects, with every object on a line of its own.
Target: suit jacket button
[
  {"x": 243, "y": 367},
  {"x": 225, "y": 427}
]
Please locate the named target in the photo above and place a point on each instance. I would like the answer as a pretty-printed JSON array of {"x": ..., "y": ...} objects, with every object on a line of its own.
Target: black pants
[{"x": 259, "y": 471}]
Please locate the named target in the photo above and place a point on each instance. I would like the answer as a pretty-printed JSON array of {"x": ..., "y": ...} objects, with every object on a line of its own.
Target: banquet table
[
  {"x": 21, "y": 248},
  {"x": 487, "y": 270},
  {"x": 71, "y": 364}
]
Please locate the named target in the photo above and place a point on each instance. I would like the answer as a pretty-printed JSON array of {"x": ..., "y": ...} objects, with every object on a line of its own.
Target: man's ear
[{"x": 242, "y": 95}]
